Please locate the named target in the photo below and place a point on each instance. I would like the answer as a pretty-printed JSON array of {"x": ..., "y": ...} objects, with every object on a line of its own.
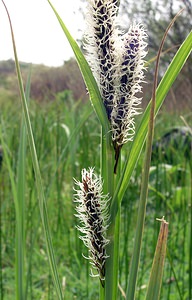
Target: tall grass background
[
  {"x": 54, "y": 129},
  {"x": 66, "y": 143}
]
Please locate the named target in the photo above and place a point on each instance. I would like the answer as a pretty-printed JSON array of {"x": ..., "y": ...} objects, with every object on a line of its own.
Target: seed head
[
  {"x": 100, "y": 39},
  {"x": 91, "y": 211},
  {"x": 117, "y": 63},
  {"x": 130, "y": 76}
]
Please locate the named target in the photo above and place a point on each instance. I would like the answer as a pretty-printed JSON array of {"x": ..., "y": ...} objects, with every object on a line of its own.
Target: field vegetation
[
  {"x": 40, "y": 250},
  {"x": 67, "y": 137}
]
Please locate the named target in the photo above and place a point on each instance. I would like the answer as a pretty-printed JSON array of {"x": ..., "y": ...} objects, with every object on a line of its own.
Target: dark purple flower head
[
  {"x": 91, "y": 211},
  {"x": 117, "y": 64},
  {"x": 130, "y": 78}
]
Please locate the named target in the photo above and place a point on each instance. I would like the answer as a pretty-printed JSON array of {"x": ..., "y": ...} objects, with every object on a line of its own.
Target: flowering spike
[
  {"x": 117, "y": 63},
  {"x": 92, "y": 214},
  {"x": 125, "y": 105},
  {"x": 100, "y": 38}
]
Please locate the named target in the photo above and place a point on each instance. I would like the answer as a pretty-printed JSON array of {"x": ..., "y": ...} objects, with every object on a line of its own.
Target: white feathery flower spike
[
  {"x": 92, "y": 213},
  {"x": 100, "y": 37},
  {"x": 117, "y": 62},
  {"x": 130, "y": 77}
]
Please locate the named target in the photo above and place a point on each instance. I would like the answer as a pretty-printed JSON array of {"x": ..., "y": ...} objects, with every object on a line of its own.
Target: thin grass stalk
[
  {"x": 104, "y": 174},
  {"x": 112, "y": 262},
  {"x": 42, "y": 202},
  {"x": 190, "y": 235},
  {"x": 143, "y": 200},
  {"x": 1, "y": 249},
  {"x": 116, "y": 254},
  {"x": 190, "y": 216},
  {"x": 107, "y": 165},
  {"x": 169, "y": 256},
  {"x": 19, "y": 290},
  {"x": 107, "y": 170},
  {"x": 101, "y": 292},
  {"x": 20, "y": 228},
  {"x": 144, "y": 185},
  {"x": 116, "y": 240}
]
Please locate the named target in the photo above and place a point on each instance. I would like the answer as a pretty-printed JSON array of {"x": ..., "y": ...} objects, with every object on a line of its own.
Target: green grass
[
  {"x": 66, "y": 163},
  {"x": 62, "y": 152}
]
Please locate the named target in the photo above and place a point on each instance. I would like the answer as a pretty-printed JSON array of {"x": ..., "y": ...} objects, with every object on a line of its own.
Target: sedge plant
[{"x": 113, "y": 72}]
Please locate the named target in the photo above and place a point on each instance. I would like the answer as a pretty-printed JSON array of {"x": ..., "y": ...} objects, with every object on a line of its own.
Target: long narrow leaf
[
  {"x": 141, "y": 133},
  {"x": 134, "y": 267},
  {"x": 89, "y": 79},
  {"x": 19, "y": 288},
  {"x": 20, "y": 233}
]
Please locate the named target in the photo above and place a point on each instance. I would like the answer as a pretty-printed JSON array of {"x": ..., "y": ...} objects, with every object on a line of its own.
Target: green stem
[
  {"x": 107, "y": 171},
  {"x": 112, "y": 263},
  {"x": 102, "y": 292},
  {"x": 190, "y": 238},
  {"x": 116, "y": 254},
  {"x": 142, "y": 205},
  {"x": 20, "y": 228},
  {"x": 109, "y": 264},
  {"x": 107, "y": 163}
]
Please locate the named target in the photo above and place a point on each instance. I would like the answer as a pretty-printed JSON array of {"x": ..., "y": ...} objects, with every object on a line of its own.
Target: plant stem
[
  {"x": 107, "y": 163},
  {"x": 143, "y": 200},
  {"x": 102, "y": 292},
  {"x": 190, "y": 237},
  {"x": 107, "y": 171},
  {"x": 112, "y": 263}
]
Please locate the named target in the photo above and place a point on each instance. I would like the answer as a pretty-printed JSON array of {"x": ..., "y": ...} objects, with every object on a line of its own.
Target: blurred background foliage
[{"x": 46, "y": 82}]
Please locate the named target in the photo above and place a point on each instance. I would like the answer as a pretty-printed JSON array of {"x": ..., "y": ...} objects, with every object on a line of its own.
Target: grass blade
[
  {"x": 18, "y": 190},
  {"x": 21, "y": 182},
  {"x": 20, "y": 228},
  {"x": 19, "y": 288},
  {"x": 89, "y": 79},
  {"x": 145, "y": 179},
  {"x": 42, "y": 202},
  {"x": 190, "y": 237},
  {"x": 141, "y": 133},
  {"x": 154, "y": 288}
]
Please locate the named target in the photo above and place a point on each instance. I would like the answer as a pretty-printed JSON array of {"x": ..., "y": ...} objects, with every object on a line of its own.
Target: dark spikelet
[
  {"x": 100, "y": 45},
  {"x": 91, "y": 212},
  {"x": 130, "y": 78},
  {"x": 116, "y": 60}
]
